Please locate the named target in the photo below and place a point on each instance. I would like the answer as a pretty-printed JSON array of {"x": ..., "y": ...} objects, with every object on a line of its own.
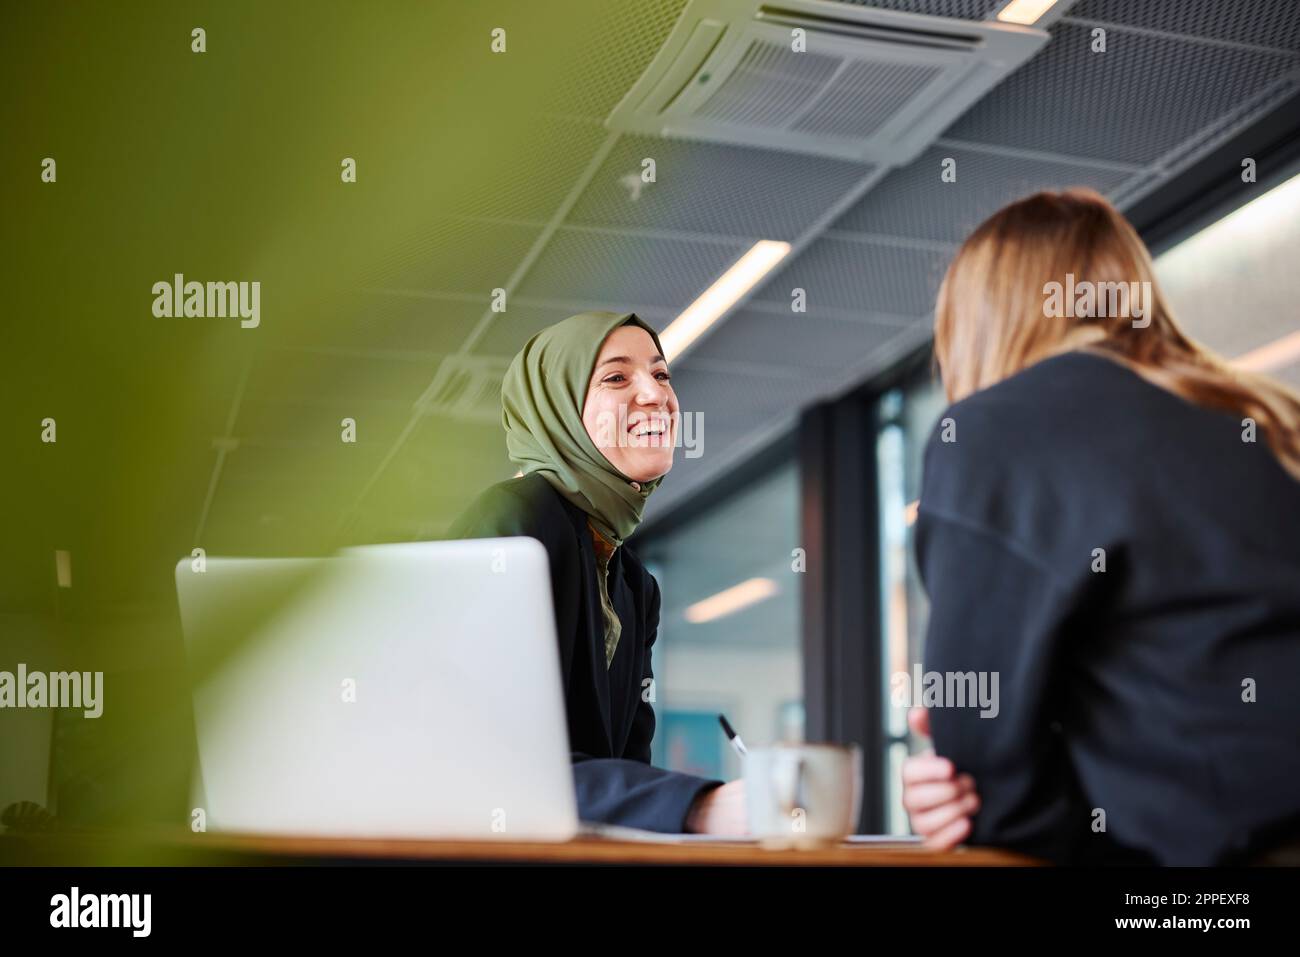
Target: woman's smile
[{"x": 631, "y": 410}]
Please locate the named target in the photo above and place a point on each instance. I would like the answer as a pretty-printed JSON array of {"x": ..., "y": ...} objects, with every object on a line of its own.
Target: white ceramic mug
[{"x": 803, "y": 795}]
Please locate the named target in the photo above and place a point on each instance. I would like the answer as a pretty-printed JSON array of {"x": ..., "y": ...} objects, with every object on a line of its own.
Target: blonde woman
[{"x": 1110, "y": 520}]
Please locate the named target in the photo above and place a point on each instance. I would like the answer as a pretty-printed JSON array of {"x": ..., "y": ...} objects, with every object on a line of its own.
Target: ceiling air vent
[
  {"x": 466, "y": 388},
  {"x": 857, "y": 83}
]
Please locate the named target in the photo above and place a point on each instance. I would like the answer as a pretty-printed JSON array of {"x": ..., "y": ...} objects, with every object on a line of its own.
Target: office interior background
[{"x": 783, "y": 549}]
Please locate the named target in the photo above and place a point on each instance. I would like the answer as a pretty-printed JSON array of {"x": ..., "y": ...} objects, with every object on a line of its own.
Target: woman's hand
[
  {"x": 720, "y": 810},
  {"x": 939, "y": 801}
]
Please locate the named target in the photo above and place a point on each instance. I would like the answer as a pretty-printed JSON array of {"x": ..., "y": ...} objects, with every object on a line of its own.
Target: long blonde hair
[{"x": 993, "y": 318}]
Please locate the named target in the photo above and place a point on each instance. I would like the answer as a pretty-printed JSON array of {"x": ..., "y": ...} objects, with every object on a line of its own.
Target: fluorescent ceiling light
[
  {"x": 1025, "y": 11},
  {"x": 1276, "y": 355},
  {"x": 721, "y": 296},
  {"x": 731, "y": 600}
]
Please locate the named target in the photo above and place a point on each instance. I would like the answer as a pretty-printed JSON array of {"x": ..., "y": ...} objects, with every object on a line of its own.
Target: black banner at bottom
[{"x": 337, "y": 904}]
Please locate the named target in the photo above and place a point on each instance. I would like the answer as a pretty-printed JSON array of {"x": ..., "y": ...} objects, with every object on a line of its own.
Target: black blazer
[
  {"x": 1121, "y": 690},
  {"x": 611, "y": 720}
]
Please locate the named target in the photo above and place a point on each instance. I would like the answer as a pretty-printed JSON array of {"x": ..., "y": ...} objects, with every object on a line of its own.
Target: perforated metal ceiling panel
[
  {"x": 1270, "y": 23},
  {"x": 736, "y": 401},
  {"x": 508, "y": 331},
  {"x": 608, "y": 270},
  {"x": 861, "y": 276},
  {"x": 564, "y": 147},
  {"x": 397, "y": 325},
  {"x": 1143, "y": 98},
  {"x": 619, "y": 38},
  {"x": 458, "y": 256},
  {"x": 786, "y": 342},
  {"x": 916, "y": 202},
  {"x": 308, "y": 375},
  {"x": 709, "y": 188},
  {"x": 1177, "y": 78},
  {"x": 303, "y": 422}
]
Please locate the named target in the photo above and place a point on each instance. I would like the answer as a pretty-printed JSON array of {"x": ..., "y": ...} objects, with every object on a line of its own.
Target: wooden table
[
  {"x": 173, "y": 848},
  {"x": 585, "y": 850}
]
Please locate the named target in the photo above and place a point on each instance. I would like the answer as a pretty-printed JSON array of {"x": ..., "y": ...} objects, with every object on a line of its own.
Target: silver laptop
[{"x": 391, "y": 691}]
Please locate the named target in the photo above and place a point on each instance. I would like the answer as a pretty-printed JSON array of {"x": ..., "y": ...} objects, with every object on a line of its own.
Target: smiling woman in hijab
[{"x": 591, "y": 419}]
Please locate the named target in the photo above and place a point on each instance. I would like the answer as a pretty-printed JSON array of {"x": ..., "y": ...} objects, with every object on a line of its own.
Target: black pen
[{"x": 732, "y": 736}]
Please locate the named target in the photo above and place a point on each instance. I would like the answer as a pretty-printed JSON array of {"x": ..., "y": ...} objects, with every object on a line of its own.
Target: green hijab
[{"x": 542, "y": 397}]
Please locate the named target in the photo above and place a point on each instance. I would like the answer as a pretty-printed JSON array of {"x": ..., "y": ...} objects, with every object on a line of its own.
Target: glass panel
[
  {"x": 906, "y": 418},
  {"x": 1234, "y": 284},
  {"x": 729, "y": 629}
]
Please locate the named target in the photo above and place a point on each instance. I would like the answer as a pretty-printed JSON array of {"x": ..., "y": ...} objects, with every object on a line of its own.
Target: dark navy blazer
[{"x": 1131, "y": 569}]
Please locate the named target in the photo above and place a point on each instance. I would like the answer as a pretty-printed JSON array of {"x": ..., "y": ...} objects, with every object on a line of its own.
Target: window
[
  {"x": 1233, "y": 285},
  {"x": 729, "y": 627},
  {"x": 905, "y": 416}
]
